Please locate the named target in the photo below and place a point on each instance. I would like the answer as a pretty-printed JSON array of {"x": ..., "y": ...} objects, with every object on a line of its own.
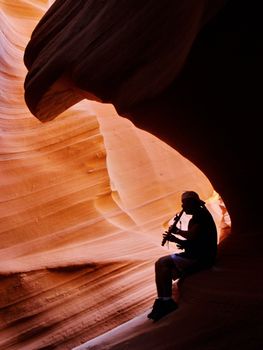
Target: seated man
[{"x": 200, "y": 250}]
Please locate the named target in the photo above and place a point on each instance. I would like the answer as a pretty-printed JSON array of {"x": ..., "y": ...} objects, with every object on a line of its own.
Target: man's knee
[{"x": 164, "y": 262}]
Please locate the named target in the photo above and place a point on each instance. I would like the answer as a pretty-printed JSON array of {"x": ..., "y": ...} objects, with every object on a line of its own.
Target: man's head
[{"x": 191, "y": 202}]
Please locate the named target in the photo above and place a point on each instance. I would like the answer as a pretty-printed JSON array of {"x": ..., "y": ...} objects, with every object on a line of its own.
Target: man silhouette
[{"x": 199, "y": 243}]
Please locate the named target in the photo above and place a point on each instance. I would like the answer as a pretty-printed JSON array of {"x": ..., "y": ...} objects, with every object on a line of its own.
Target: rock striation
[
  {"x": 80, "y": 223},
  {"x": 84, "y": 201}
]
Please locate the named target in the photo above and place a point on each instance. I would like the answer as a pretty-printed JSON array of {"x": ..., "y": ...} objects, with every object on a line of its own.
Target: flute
[{"x": 172, "y": 227}]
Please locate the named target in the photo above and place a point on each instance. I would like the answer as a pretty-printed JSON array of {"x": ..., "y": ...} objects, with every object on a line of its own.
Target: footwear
[
  {"x": 156, "y": 306},
  {"x": 162, "y": 308}
]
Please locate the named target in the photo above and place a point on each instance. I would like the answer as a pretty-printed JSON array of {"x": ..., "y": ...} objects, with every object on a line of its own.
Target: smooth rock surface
[{"x": 84, "y": 201}]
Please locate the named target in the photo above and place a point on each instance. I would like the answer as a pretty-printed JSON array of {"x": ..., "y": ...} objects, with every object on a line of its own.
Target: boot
[{"x": 162, "y": 308}]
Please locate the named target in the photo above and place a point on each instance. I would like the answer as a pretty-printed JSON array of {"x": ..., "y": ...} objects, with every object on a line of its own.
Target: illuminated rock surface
[
  {"x": 84, "y": 197},
  {"x": 83, "y": 203}
]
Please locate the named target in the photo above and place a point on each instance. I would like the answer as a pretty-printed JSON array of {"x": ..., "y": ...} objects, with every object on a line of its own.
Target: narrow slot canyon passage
[{"x": 97, "y": 145}]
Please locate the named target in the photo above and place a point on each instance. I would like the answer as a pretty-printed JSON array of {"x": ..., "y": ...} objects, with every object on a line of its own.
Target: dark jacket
[{"x": 203, "y": 246}]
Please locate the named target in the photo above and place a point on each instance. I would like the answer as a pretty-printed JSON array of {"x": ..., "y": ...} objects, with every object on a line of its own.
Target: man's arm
[
  {"x": 180, "y": 243},
  {"x": 188, "y": 235},
  {"x": 191, "y": 233}
]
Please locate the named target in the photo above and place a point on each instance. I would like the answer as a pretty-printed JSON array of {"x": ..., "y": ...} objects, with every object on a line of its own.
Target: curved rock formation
[
  {"x": 84, "y": 200},
  {"x": 197, "y": 90},
  {"x": 215, "y": 104},
  {"x": 79, "y": 48},
  {"x": 98, "y": 62}
]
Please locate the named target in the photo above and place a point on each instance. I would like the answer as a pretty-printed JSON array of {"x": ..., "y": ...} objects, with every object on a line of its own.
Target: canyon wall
[
  {"x": 189, "y": 73},
  {"x": 84, "y": 201}
]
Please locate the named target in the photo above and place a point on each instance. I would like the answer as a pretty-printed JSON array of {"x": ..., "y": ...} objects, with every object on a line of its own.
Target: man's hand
[
  {"x": 169, "y": 237},
  {"x": 180, "y": 246}
]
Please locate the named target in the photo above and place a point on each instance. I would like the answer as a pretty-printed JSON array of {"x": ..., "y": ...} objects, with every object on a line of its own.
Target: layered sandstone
[
  {"x": 85, "y": 196},
  {"x": 84, "y": 201}
]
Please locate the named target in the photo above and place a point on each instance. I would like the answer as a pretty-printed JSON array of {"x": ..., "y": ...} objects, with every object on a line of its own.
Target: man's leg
[
  {"x": 164, "y": 274},
  {"x": 165, "y": 271}
]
